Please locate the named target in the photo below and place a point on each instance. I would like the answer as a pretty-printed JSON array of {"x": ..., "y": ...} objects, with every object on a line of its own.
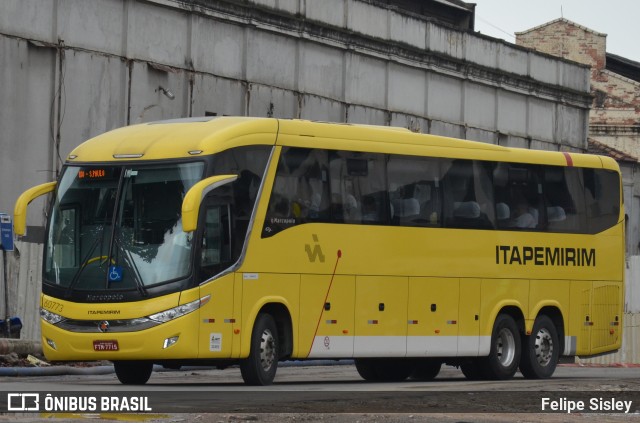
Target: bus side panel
[
  {"x": 548, "y": 293},
  {"x": 495, "y": 295},
  {"x": 260, "y": 289},
  {"x": 329, "y": 325},
  {"x": 469, "y": 318},
  {"x": 433, "y": 317},
  {"x": 217, "y": 318},
  {"x": 606, "y": 311},
  {"x": 580, "y": 322},
  {"x": 381, "y": 316}
]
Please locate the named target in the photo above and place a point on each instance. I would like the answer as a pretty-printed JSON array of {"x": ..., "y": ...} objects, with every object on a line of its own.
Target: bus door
[
  {"x": 381, "y": 316},
  {"x": 209, "y": 205}
]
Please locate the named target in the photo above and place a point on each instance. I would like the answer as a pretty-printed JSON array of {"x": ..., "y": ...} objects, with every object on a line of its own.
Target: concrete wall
[{"x": 75, "y": 68}]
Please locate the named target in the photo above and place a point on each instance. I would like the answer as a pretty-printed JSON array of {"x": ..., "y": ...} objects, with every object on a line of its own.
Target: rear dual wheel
[
  {"x": 540, "y": 350},
  {"x": 504, "y": 354}
]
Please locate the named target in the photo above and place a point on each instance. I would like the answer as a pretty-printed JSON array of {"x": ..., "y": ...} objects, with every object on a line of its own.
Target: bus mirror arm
[
  {"x": 20, "y": 209},
  {"x": 193, "y": 198}
]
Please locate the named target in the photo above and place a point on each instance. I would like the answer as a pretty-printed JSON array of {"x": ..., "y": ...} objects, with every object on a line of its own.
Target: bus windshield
[{"x": 119, "y": 227}]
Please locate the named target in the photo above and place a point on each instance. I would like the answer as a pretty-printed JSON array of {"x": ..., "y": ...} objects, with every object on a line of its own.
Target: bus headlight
[
  {"x": 181, "y": 310},
  {"x": 50, "y": 317}
]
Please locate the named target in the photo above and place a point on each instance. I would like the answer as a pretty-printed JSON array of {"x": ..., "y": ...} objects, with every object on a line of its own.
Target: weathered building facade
[{"x": 72, "y": 69}]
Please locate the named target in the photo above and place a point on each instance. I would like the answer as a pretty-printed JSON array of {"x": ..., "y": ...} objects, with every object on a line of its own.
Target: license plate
[{"x": 105, "y": 345}]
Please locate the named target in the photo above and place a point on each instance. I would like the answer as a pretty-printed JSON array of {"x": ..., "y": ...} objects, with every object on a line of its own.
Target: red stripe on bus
[{"x": 569, "y": 159}]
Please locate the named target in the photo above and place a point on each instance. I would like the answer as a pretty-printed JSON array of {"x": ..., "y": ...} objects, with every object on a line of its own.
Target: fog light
[
  {"x": 51, "y": 344},
  {"x": 170, "y": 341}
]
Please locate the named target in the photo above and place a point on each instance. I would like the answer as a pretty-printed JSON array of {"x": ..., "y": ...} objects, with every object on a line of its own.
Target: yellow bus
[{"x": 222, "y": 241}]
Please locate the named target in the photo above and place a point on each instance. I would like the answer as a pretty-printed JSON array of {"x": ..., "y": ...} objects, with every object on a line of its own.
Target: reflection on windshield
[{"x": 93, "y": 246}]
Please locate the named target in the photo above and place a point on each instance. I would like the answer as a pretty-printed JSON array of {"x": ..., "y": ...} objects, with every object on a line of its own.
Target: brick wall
[
  {"x": 568, "y": 40},
  {"x": 615, "y": 114}
]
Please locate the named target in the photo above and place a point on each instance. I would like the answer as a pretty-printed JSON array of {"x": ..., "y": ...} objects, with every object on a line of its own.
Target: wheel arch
[
  {"x": 279, "y": 309},
  {"x": 284, "y": 324}
]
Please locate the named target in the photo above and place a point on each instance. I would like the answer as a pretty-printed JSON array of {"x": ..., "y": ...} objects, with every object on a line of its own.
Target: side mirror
[
  {"x": 20, "y": 209},
  {"x": 193, "y": 199}
]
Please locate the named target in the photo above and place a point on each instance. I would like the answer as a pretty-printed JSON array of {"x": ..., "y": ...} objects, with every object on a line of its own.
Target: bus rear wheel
[
  {"x": 540, "y": 350},
  {"x": 259, "y": 369},
  {"x": 133, "y": 372},
  {"x": 504, "y": 355}
]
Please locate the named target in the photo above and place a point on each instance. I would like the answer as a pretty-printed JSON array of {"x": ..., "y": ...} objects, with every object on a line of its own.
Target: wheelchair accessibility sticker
[{"x": 115, "y": 273}]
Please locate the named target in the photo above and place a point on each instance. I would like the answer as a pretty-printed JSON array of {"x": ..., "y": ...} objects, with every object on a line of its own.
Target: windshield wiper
[
  {"x": 131, "y": 264},
  {"x": 84, "y": 264}
]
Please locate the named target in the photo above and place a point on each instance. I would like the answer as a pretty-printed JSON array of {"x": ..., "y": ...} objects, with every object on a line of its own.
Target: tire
[
  {"x": 504, "y": 355},
  {"x": 133, "y": 372},
  {"x": 383, "y": 370},
  {"x": 366, "y": 369},
  {"x": 259, "y": 369},
  {"x": 425, "y": 370},
  {"x": 471, "y": 370},
  {"x": 540, "y": 350}
]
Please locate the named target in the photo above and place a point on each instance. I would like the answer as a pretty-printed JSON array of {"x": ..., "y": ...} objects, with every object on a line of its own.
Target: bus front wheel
[
  {"x": 504, "y": 355},
  {"x": 540, "y": 350},
  {"x": 259, "y": 369},
  {"x": 133, "y": 372}
]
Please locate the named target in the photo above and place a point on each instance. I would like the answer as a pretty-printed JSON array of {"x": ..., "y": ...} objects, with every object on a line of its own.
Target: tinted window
[
  {"x": 468, "y": 195},
  {"x": 602, "y": 198},
  {"x": 358, "y": 188},
  {"x": 563, "y": 190},
  {"x": 518, "y": 196},
  {"x": 415, "y": 190}
]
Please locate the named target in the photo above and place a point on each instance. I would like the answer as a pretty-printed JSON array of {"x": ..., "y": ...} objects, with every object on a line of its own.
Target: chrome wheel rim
[
  {"x": 267, "y": 350},
  {"x": 543, "y": 347},
  {"x": 505, "y": 347}
]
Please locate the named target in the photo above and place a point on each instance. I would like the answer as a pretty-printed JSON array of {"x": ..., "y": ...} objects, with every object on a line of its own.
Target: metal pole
[{"x": 7, "y": 321}]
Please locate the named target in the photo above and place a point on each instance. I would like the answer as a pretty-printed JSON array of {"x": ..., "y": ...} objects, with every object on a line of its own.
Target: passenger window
[
  {"x": 358, "y": 188},
  {"x": 518, "y": 196},
  {"x": 468, "y": 195},
  {"x": 414, "y": 191},
  {"x": 564, "y": 199},
  {"x": 603, "y": 203},
  {"x": 300, "y": 191}
]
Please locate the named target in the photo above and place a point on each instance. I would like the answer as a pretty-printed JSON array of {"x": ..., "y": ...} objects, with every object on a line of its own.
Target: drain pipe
[{"x": 19, "y": 346}]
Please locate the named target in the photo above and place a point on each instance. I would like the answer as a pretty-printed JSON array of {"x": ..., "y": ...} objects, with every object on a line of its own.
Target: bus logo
[
  {"x": 316, "y": 253},
  {"x": 103, "y": 326}
]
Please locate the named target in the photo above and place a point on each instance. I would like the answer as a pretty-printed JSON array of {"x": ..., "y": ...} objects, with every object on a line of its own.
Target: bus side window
[
  {"x": 414, "y": 191},
  {"x": 468, "y": 200},
  {"x": 602, "y": 202},
  {"x": 300, "y": 192},
  {"x": 358, "y": 188},
  {"x": 216, "y": 241},
  {"x": 518, "y": 196},
  {"x": 565, "y": 199}
]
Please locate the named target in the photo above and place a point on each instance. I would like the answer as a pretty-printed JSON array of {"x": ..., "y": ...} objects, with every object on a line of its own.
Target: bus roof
[{"x": 192, "y": 137}]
